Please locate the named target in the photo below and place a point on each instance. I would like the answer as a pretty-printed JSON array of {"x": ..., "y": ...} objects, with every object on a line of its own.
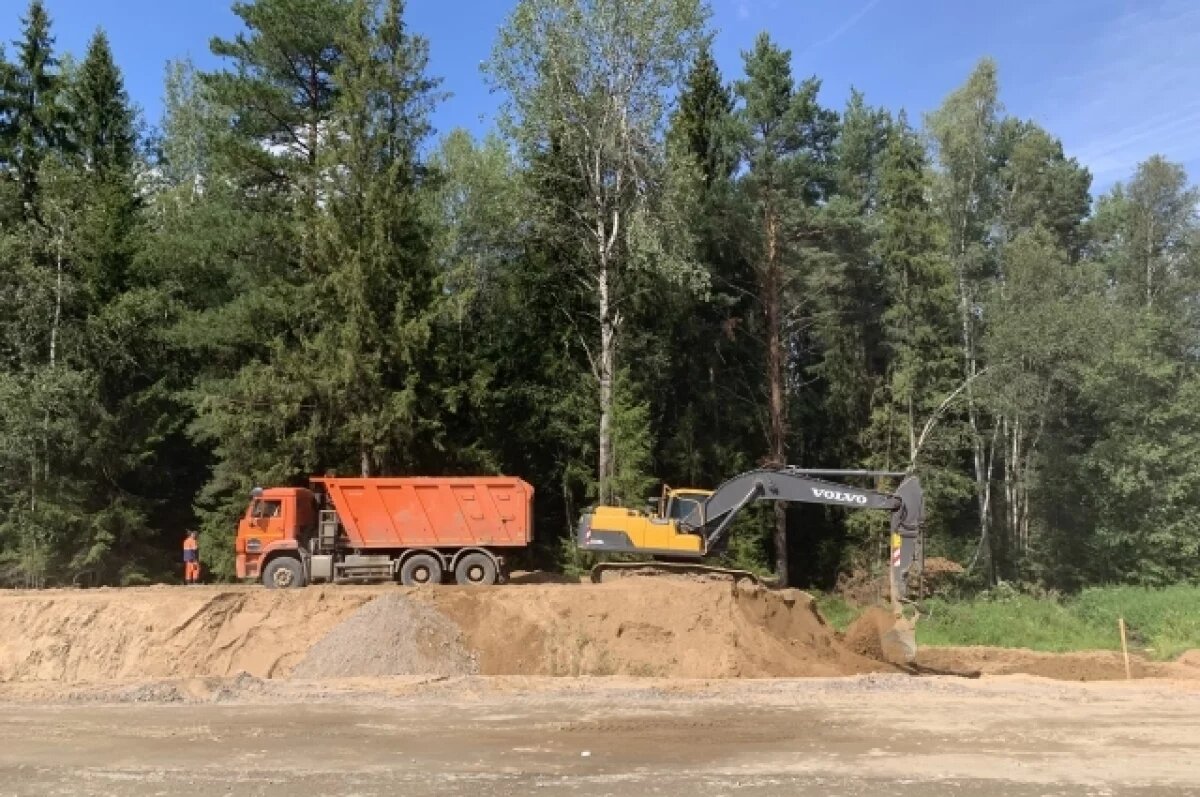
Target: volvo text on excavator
[{"x": 684, "y": 526}]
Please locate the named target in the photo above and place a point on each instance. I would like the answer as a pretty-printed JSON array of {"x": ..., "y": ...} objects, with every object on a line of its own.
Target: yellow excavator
[{"x": 683, "y": 526}]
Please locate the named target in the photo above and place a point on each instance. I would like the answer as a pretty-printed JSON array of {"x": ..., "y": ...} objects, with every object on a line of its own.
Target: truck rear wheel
[
  {"x": 420, "y": 570},
  {"x": 283, "y": 573},
  {"x": 475, "y": 569}
]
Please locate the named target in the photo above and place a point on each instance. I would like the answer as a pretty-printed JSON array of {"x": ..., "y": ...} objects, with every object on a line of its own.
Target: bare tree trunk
[
  {"x": 971, "y": 368},
  {"x": 364, "y": 459},
  {"x": 606, "y": 364},
  {"x": 58, "y": 297},
  {"x": 772, "y": 288}
]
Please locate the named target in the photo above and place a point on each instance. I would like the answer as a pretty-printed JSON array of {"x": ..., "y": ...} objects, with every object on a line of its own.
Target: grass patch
[
  {"x": 836, "y": 611},
  {"x": 1018, "y": 622},
  {"x": 1162, "y": 623}
]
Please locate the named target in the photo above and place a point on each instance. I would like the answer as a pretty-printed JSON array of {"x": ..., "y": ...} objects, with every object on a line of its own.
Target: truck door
[{"x": 267, "y": 519}]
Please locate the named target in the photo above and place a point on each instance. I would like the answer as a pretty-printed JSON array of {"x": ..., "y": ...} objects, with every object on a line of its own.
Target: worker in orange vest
[{"x": 191, "y": 559}]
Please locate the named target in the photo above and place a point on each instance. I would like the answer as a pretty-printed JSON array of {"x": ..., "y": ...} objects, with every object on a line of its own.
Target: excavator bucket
[{"x": 899, "y": 643}]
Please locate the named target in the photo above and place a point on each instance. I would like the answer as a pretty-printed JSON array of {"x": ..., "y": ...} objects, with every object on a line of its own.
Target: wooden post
[{"x": 1124, "y": 647}]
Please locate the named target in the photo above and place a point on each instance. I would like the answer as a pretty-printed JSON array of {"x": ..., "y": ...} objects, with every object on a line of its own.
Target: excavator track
[{"x": 611, "y": 571}]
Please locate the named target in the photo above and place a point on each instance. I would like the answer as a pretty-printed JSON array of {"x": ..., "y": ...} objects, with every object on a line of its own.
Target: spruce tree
[
  {"x": 34, "y": 124},
  {"x": 846, "y": 292},
  {"x": 910, "y": 426},
  {"x": 103, "y": 135},
  {"x": 377, "y": 290}
]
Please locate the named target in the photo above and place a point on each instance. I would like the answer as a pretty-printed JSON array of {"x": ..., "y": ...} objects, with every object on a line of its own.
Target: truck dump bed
[{"x": 383, "y": 513}]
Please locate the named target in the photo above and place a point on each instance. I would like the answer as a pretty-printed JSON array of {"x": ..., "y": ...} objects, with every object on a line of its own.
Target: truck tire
[
  {"x": 419, "y": 570},
  {"x": 283, "y": 572},
  {"x": 475, "y": 569}
]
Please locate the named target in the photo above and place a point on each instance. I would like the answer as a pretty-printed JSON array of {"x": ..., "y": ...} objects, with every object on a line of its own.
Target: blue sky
[{"x": 1115, "y": 79}]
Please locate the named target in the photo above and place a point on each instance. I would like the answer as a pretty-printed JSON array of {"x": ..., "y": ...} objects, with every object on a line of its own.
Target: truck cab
[{"x": 277, "y": 519}]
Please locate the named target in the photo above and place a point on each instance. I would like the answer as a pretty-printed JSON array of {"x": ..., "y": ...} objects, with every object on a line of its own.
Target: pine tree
[
  {"x": 784, "y": 138},
  {"x": 282, "y": 91},
  {"x": 251, "y": 227}
]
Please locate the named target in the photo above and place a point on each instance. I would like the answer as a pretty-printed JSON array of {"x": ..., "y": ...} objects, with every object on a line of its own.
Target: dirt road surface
[
  {"x": 641, "y": 688},
  {"x": 864, "y": 735}
]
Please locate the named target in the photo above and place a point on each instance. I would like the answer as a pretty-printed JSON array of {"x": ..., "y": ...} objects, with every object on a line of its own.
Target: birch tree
[
  {"x": 964, "y": 131},
  {"x": 591, "y": 78}
]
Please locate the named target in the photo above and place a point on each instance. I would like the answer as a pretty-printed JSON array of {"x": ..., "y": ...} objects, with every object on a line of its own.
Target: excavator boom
[{"x": 906, "y": 505}]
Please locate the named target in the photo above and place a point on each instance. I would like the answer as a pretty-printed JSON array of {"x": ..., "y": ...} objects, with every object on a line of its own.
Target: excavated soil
[
  {"x": 673, "y": 627},
  {"x": 669, "y": 628},
  {"x": 156, "y": 632},
  {"x": 663, "y": 627},
  {"x": 1092, "y": 665}
]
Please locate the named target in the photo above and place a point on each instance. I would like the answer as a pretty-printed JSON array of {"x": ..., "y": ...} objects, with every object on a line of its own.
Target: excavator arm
[{"x": 906, "y": 505}]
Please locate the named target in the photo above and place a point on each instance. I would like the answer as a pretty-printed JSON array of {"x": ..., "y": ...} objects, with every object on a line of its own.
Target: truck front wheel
[
  {"x": 475, "y": 569},
  {"x": 283, "y": 573},
  {"x": 420, "y": 570}
]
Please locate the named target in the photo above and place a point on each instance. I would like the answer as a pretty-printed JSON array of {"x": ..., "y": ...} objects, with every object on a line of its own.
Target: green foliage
[
  {"x": 1161, "y": 622},
  {"x": 587, "y": 83},
  {"x": 1016, "y": 621},
  {"x": 646, "y": 275},
  {"x": 838, "y": 613},
  {"x": 103, "y": 121}
]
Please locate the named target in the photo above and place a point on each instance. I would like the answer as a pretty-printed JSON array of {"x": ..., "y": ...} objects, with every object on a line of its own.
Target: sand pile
[
  {"x": 643, "y": 627},
  {"x": 662, "y": 627},
  {"x": 665, "y": 626},
  {"x": 391, "y": 635},
  {"x": 158, "y": 632}
]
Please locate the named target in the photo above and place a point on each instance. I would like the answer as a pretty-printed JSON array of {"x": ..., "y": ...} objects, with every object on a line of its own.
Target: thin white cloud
[
  {"x": 844, "y": 28},
  {"x": 749, "y": 8},
  {"x": 1134, "y": 95}
]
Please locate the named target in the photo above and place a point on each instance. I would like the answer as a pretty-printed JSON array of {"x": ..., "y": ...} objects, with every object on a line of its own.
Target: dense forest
[{"x": 648, "y": 272}]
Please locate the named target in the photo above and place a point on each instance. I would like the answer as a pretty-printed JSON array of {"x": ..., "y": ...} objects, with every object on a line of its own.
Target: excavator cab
[{"x": 685, "y": 504}]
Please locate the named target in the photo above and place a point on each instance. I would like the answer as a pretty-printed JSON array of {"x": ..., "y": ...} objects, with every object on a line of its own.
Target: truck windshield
[{"x": 268, "y": 508}]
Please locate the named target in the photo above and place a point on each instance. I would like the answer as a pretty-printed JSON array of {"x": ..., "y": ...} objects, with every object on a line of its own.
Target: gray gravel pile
[{"x": 392, "y": 635}]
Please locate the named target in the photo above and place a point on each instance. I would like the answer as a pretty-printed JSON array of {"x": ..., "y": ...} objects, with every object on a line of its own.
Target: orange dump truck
[{"x": 416, "y": 530}]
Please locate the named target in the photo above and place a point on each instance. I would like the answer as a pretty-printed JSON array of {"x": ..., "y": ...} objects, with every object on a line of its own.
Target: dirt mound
[
  {"x": 1093, "y": 665},
  {"x": 664, "y": 627},
  {"x": 643, "y": 627},
  {"x": 159, "y": 632},
  {"x": 863, "y": 587},
  {"x": 864, "y": 634},
  {"x": 391, "y": 635},
  {"x": 647, "y": 627}
]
